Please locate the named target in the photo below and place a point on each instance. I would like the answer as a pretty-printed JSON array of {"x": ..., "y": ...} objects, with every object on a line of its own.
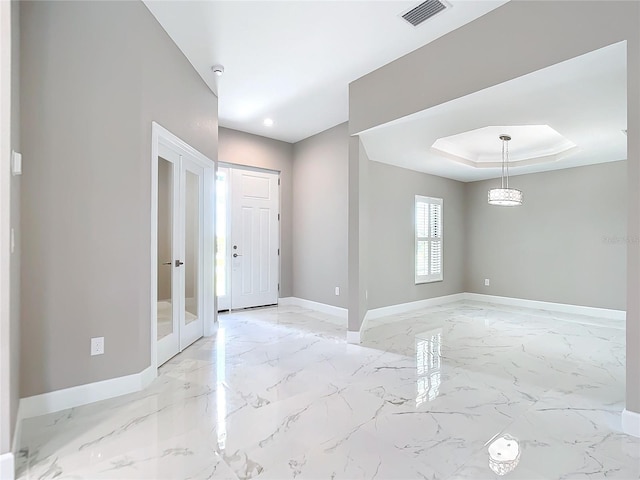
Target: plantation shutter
[{"x": 428, "y": 237}]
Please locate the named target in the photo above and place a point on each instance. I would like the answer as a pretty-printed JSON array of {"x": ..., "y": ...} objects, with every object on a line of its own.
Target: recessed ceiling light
[
  {"x": 268, "y": 122},
  {"x": 218, "y": 70}
]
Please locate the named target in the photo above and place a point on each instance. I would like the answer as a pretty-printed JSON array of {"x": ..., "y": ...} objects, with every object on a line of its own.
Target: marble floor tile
[
  {"x": 358, "y": 455},
  {"x": 277, "y": 393}
]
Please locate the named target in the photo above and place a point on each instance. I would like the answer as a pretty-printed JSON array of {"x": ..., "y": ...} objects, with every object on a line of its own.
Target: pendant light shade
[
  {"x": 504, "y": 455},
  {"x": 505, "y": 196}
]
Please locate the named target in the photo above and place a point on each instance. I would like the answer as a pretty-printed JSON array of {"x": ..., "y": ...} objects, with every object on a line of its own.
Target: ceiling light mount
[
  {"x": 218, "y": 70},
  {"x": 505, "y": 196}
]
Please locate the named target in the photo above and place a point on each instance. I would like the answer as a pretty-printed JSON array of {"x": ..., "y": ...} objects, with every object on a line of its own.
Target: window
[{"x": 428, "y": 259}]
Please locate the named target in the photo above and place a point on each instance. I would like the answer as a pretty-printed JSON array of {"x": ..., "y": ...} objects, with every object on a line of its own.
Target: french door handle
[
  {"x": 178, "y": 263},
  {"x": 236, "y": 255},
  {"x": 168, "y": 263}
]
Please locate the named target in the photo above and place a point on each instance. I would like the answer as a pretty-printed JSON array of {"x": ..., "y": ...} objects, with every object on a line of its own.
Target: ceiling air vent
[{"x": 424, "y": 11}]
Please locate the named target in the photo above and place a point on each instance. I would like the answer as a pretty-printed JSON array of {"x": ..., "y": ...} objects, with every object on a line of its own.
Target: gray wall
[
  {"x": 565, "y": 244},
  {"x": 439, "y": 72},
  {"x": 94, "y": 77},
  {"x": 320, "y": 216},
  {"x": 465, "y": 60},
  {"x": 246, "y": 149},
  {"x": 391, "y": 239}
]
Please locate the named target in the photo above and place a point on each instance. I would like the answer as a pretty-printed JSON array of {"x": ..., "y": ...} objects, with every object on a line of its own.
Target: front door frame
[
  {"x": 238, "y": 166},
  {"x": 159, "y": 135}
]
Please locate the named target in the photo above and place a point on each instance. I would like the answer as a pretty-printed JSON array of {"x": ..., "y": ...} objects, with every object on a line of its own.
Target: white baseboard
[
  {"x": 7, "y": 466},
  {"x": 85, "y": 394},
  {"x": 619, "y": 315},
  {"x": 17, "y": 433},
  {"x": 354, "y": 337},
  {"x": 320, "y": 307},
  {"x": 631, "y": 423},
  {"x": 147, "y": 376},
  {"x": 410, "y": 306}
]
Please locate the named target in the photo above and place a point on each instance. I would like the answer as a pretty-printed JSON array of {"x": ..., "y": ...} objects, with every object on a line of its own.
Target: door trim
[
  {"x": 159, "y": 135},
  {"x": 225, "y": 299},
  {"x": 5, "y": 235},
  {"x": 238, "y": 166}
]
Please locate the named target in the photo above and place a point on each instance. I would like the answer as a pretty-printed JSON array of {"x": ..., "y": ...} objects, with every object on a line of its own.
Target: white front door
[
  {"x": 180, "y": 248},
  {"x": 254, "y": 238}
]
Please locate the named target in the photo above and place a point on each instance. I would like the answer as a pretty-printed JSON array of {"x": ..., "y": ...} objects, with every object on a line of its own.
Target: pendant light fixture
[{"x": 505, "y": 196}]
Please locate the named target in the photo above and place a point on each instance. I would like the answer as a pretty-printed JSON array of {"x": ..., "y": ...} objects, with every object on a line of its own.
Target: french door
[
  {"x": 180, "y": 242},
  {"x": 248, "y": 236}
]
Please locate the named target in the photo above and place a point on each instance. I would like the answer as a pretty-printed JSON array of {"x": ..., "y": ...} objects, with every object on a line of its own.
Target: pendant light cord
[
  {"x": 502, "y": 177},
  {"x": 505, "y": 147},
  {"x": 504, "y": 180}
]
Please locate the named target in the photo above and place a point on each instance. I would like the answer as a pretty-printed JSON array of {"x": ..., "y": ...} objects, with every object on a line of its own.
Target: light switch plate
[{"x": 16, "y": 163}]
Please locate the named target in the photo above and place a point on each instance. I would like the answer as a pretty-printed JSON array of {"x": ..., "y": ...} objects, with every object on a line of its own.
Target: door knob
[
  {"x": 178, "y": 263},
  {"x": 236, "y": 255}
]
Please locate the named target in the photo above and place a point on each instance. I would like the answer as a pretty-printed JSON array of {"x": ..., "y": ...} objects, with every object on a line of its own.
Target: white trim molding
[
  {"x": 354, "y": 337},
  {"x": 410, "y": 306},
  {"x": 147, "y": 376},
  {"x": 7, "y": 466},
  {"x": 6, "y": 459},
  {"x": 317, "y": 306},
  {"x": 618, "y": 316},
  {"x": 605, "y": 313},
  {"x": 85, "y": 394},
  {"x": 17, "y": 434},
  {"x": 631, "y": 422}
]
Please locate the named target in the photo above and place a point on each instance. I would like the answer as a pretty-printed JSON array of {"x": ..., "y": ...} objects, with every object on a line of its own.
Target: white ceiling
[
  {"x": 482, "y": 147},
  {"x": 292, "y": 61},
  {"x": 584, "y": 99}
]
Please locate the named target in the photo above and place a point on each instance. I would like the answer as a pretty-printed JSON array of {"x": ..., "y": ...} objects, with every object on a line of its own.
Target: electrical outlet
[
  {"x": 337, "y": 290},
  {"x": 97, "y": 346},
  {"x": 486, "y": 282}
]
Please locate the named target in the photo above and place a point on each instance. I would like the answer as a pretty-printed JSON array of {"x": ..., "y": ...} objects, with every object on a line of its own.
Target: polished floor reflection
[{"x": 461, "y": 391}]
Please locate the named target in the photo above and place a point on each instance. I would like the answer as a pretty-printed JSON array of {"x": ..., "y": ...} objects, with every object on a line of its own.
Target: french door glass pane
[
  {"x": 165, "y": 246},
  {"x": 192, "y": 244}
]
